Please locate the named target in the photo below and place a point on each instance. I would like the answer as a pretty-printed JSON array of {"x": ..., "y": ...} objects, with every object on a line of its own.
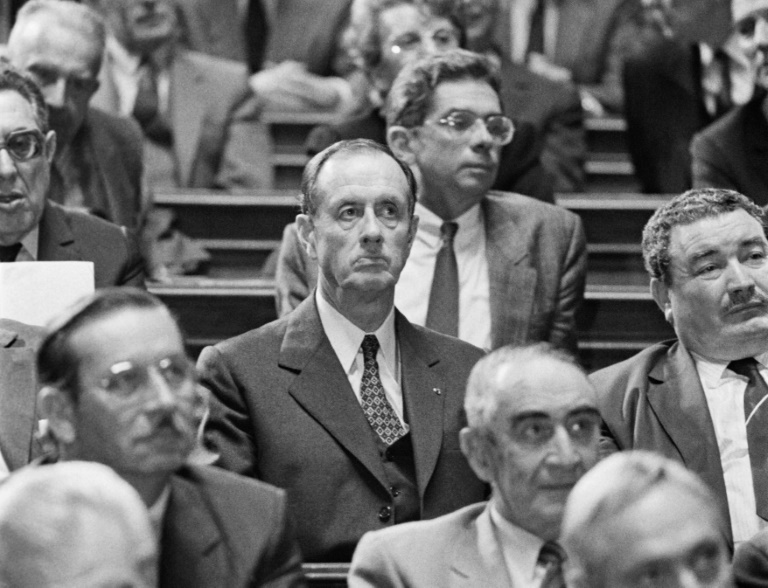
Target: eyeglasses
[
  {"x": 23, "y": 145},
  {"x": 499, "y": 127},
  {"x": 126, "y": 378}
]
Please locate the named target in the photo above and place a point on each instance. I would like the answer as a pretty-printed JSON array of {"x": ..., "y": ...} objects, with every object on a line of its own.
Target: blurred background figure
[
  {"x": 687, "y": 72},
  {"x": 640, "y": 519},
  {"x": 74, "y": 525}
]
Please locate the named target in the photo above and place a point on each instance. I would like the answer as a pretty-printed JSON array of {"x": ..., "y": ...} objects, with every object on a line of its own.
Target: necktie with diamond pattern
[{"x": 376, "y": 407}]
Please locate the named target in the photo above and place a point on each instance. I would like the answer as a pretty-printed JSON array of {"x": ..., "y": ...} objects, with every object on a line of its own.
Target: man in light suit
[
  {"x": 33, "y": 229},
  {"x": 731, "y": 152},
  {"x": 198, "y": 115},
  {"x": 688, "y": 399},
  {"x": 344, "y": 403},
  {"x": 98, "y": 162},
  {"x": 639, "y": 519},
  {"x": 119, "y": 390},
  {"x": 521, "y": 263},
  {"x": 533, "y": 432}
]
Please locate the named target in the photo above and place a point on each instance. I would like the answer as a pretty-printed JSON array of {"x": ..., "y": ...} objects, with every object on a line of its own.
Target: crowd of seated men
[{"x": 416, "y": 412}]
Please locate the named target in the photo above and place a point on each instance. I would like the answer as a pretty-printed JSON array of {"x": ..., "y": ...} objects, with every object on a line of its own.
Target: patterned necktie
[
  {"x": 376, "y": 407},
  {"x": 9, "y": 252},
  {"x": 443, "y": 310},
  {"x": 551, "y": 558},
  {"x": 756, "y": 415}
]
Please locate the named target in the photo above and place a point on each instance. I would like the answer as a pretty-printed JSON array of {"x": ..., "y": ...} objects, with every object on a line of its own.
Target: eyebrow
[{"x": 539, "y": 414}]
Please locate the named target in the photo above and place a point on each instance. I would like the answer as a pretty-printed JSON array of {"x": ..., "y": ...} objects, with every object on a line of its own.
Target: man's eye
[
  {"x": 535, "y": 432},
  {"x": 445, "y": 38},
  {"x": 347, "y": 213},
  {"x": 389, "y": 211},
  {"x": 461, "y": 121},
  {"x": 746, "y": 27},
  {"x": 407, "y": 41},
  {"x": 583, "y": 427}
]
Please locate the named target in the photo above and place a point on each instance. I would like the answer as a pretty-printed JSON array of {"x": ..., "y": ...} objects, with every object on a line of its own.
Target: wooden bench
[{"x": 326, "y": 575}]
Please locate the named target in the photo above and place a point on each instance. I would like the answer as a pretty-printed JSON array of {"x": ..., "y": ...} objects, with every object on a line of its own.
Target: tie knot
[
  {"x": 551, "y": 554},
  {"x": 746, "y": 367},
  {"x": 370, "y": 346},
  {"x": 448, "y": 232}
]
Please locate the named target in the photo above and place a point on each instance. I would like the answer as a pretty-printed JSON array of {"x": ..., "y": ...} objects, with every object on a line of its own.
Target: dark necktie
[
  {"x": 376, "y": 407},
  {"x": 536, "y": 36},
  {"x": 146, "y": 109},
  {"x": 443, "y": 310},
  {"x": 9, "y": 252},
  {"x": 756, "y": 415},
  {"x": 256, "y": 34},
  {"x": 551, "y": 558}
]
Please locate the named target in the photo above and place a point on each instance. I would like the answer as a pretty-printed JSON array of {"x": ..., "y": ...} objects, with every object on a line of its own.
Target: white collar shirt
[
  {"x": 415, "y": 283},
  {"x": 521, "y": 15},
  {"x": 724, "y": 392},
  {"x": 346, "y": 340},
  {"x": 520, "y": 550}
]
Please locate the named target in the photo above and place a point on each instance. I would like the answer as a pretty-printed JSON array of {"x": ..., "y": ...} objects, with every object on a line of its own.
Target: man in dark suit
[
  {"x": 387, "y": 35},
  {"x": 98, "y": 161},
  {"x": 533, "y": 432},
  {"x": 731, "y": 152},
  {"x": 344, "y": 403},
  {"x": 521, "y": 263},
  {"x": 118, "y": 389},
  {"x": 693, "y": 399},
  {"x": 639, "y": 519},
  {"x": 30, "y": 227}
]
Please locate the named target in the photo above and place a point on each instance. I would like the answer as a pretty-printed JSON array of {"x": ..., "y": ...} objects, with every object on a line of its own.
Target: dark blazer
[
  {"x": 520, "y": 168},
  {"x": 67, "y": 235},
  {"x": 18, "y": 392},
  {"x": 283, "y": 412},
  {"x": 457, "y": 550},
  {"x": 664, "y": 107},
  {"x": 537, "y": 263},
  {"x": 110, "y": 150},
  {"x": 732, "y": 152},
  {"x": 225, "y": 530},
  {"x": 654, "y": 401}
]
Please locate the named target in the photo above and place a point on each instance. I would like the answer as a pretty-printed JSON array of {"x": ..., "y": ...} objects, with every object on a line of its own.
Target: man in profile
[
  {"x": 640, "y": 519},
  {"x": 74, "y": 524},
  {"x": 119, "y": 390},
  {"x": 533, "y": 432},
  {"x": 344, "y": 403}
]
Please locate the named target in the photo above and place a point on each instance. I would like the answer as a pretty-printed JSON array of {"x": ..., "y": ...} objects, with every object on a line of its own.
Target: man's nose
[
  {"x": 7, "y": 166},
  {"x": 371, "y": 227},
  {"x": 563, "y": 451},
  {"x": 163, "y": 396},
  {"x": 55, "y": 93},
  {"x": 741, "y": 285}
]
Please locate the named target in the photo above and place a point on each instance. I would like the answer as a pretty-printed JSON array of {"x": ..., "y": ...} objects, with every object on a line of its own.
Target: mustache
[{"x": 756, "y": 298}]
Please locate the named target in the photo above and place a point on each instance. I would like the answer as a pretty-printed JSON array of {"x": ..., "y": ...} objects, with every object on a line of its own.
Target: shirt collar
[
  {"x": 524, "y": 545},
  {"x": 711, "y": 372},
  {"x": 157, "y": 511},
  {"x": 470, "y": 224},
  {"x": 122, "y": 60},
  {"x": 346, "y": 338}
]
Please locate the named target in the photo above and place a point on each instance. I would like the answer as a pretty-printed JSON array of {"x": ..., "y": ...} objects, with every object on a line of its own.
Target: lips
[{"x": 10, "y": 197}]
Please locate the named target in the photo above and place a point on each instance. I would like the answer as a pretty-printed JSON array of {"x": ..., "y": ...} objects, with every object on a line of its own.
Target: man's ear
[
  {"x": 57, "y": 407},
  {"x": 660, "y": 293},
  {"x": 402, "y": 142},
  {"x": 474, "y": 446},
  {"x": 305, "y": 227},
  {"x": 49, "y": 146}
]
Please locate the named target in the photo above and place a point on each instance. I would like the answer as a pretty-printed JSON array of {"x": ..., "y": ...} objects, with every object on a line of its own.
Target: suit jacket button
[{"x": 385, "y": 513}]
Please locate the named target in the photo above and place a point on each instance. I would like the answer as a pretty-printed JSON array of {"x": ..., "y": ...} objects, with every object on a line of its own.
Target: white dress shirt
[
  {"x": 520, "y": 16},
  {"x": 346, "y": 340},
  {"x": 724, "y": 391},
  {"x": 415, "y": 283},
  {"x": 520, "y": 550}
]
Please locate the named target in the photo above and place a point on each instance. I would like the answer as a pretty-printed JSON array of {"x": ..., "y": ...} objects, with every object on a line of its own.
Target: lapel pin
[{"x": 436, "y": 391}]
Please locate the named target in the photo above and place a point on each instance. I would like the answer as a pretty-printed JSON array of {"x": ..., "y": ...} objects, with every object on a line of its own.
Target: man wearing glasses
[
  {"x": 119, "y": 390},
  {"x": 33, "y": 229}
]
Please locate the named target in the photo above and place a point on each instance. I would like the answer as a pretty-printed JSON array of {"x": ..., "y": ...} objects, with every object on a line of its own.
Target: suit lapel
[
  {"x": 187, "y": 112},
  {"x": 677, "y": 398},
  {"x": 193, "y": 553},
  {"x": 477, "y": 558},
  {"x": 756, "y": 138},
  {"x": 512, "y": 282},
  {"x": 321, "y": 387},
  {"x": 424, "y": 405},
  {"x": 56, "y": 241}
]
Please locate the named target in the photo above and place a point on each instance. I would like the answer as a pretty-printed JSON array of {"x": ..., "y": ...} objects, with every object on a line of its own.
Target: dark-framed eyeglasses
[
  {"x": 499, "y": 127},
  {"x": 23, "y": 145},
  {"x": 126, "y": 378}
]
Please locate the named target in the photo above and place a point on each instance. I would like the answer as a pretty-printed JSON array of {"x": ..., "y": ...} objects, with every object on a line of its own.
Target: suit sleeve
[
  {"x": 373, "y": 565},
  {"x": 132, "y": 273},
  {"x": 228, "y": 433},
  {"x": 709, "y": 167},
  {"x": 245, "y": 158},
  {"x": 293, "y": 279},
  {"x": 565, "y": 144},
  {"x": 571, "y": 289},
  {"x": 281, "y": 561}
]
